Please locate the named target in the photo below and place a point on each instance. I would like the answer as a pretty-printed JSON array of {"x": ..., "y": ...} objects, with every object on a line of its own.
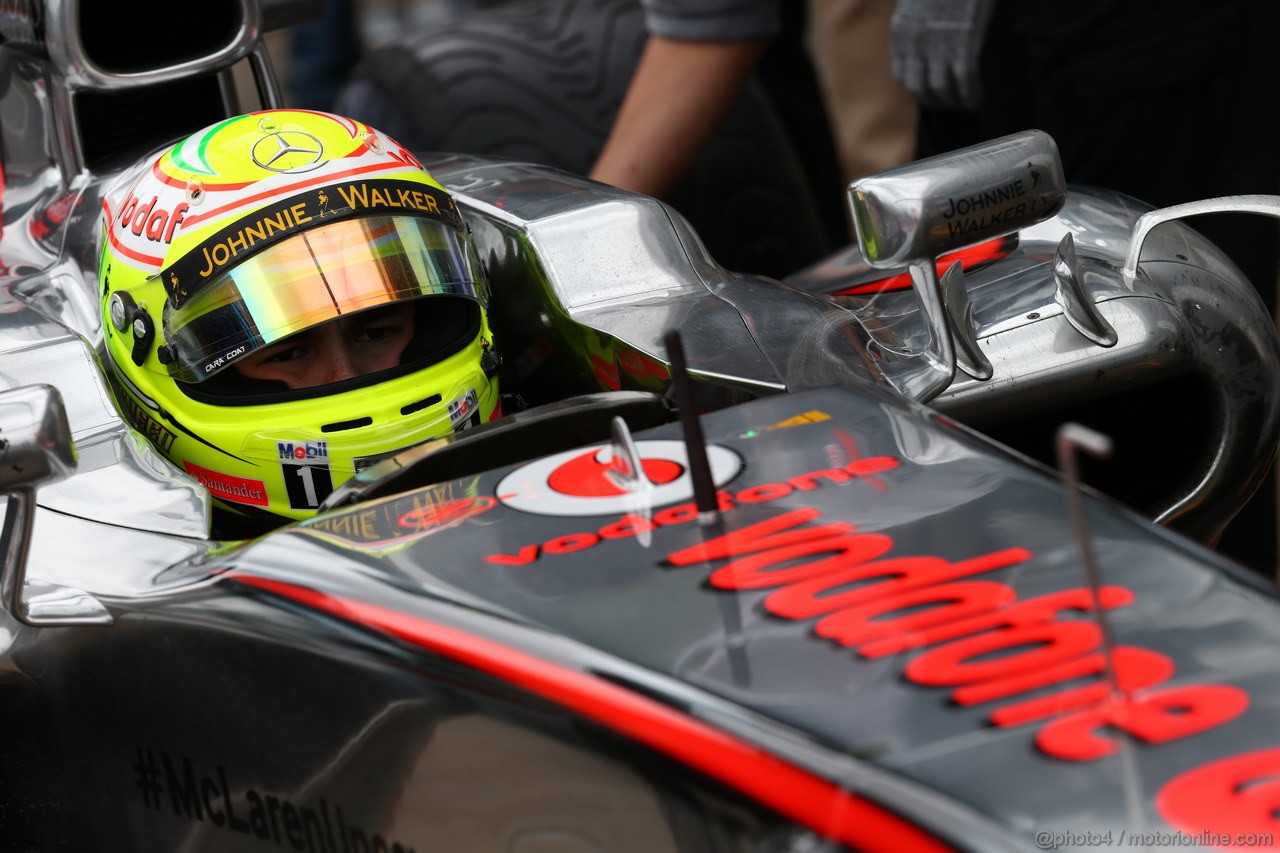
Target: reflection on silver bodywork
[
  {"x": 123, "y": 562},
  {"x": 50, "y": 604},
  {"x": 926, "y": 208},
  {"x": 1074, "y": 300},
  {"x": 629, "y": 268},
  {"x": 1188, "y": 313},
  {"x": 36, "y": 448},
  {"x": 161, "y": 499},
  {"x": 1054, "y": 319},
  {"x": 1266, "y": 205},
  {"x": 120, "y": 480},
  {"x": 77, "y": 69}
]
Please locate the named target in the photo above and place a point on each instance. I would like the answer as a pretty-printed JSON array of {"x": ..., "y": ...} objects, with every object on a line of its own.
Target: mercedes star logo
[{"x": 287, "y": 152}]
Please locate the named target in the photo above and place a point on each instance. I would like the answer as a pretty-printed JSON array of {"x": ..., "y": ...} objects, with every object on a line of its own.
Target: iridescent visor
[{"x": 311, "y": 278}]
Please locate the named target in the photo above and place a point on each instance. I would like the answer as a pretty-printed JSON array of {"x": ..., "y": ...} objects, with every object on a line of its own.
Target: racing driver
[{"x": 288, "y": 296}]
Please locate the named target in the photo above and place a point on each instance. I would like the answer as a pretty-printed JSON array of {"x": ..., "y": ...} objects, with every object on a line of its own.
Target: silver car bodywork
[{"x": 591, "y": 278}]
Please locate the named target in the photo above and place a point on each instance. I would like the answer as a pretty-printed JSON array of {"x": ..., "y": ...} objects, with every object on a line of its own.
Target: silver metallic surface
[
  {"x": 937, "y": 353},
  {"x": 1265, "y": 205},
  {"x": 47, "y": 605},
  {"x": 628, "y": 269},
  {"x": 77, "y": 69},
  {"x": 1076, "y": 305},
  {"x": 931, "y": 206},
  {"x": 648, "y": 272},
  {"x": 129, "y": 530},
  {"x": 969, "y": 357},
  {"x": 911, "y": 215},
  {"x": 1189, "y": 312},
  {"x": 72, "y": 69},
  {"x": 15, "y": 540},
  {"x": 35, "y": 440},
  {"x": 35, "y": 450},
  {"x": 625, "y": 467},
  {"x": 120, "y": 479},
  {"x": 117, "y": 312}
]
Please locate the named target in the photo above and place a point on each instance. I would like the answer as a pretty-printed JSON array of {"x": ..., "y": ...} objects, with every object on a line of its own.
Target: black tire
[{"x": 541, "y": 81}]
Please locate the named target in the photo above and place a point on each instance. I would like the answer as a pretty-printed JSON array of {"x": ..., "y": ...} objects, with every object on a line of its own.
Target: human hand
[{"x": 934, "y": 47}]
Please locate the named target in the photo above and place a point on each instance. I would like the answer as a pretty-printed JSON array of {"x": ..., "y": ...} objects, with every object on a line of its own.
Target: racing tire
[{"x": 542, "y": 80}]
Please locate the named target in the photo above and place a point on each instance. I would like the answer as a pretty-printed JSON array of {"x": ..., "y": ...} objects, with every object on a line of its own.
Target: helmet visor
[{"x": 314, "y": 277}]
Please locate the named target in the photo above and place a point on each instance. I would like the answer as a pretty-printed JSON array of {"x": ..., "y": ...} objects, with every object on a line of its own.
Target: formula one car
[{"x": 742, "y": 576}]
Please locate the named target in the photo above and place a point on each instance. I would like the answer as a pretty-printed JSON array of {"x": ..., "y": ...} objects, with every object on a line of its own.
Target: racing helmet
[{"x": 272, "y": 238}]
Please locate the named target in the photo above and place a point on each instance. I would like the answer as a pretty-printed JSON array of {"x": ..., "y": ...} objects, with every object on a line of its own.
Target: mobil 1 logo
[
  {"x": 465, "y": 411},
  {"x": 305, "y": 465}
]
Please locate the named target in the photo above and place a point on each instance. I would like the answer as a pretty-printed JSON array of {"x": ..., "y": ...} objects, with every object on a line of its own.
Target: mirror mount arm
[
  {"x": 924, "y": 278},
  {"x": 19, "y": 519},
  {"x": 35, "y": 449},
  {"x": 914, "y": 214}
]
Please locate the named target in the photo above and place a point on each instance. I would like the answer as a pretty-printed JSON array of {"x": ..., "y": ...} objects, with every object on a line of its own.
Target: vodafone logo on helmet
[{"x": 578, "y": 483}]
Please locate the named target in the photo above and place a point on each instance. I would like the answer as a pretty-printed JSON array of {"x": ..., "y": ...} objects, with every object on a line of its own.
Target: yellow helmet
[{"x": 243, "y": 261}]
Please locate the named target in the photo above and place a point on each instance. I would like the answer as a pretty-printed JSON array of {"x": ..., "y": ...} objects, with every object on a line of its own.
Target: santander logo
[{"x": 580, "y": 482}]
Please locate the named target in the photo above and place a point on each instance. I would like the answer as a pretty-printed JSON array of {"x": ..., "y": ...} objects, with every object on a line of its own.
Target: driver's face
[{"x": 342, "y": 349}]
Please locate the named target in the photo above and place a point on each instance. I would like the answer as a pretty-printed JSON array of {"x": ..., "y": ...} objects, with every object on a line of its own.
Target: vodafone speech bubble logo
[{"x": 577, "y": 482}]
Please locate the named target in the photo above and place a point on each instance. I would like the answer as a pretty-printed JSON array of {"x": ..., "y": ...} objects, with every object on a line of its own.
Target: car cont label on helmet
[
  {"x": 305, "y": 466},
  {"x": 577, "y": 482},
  {"x": 229, "y": 488},
  {"x": 271, "y": 224}
]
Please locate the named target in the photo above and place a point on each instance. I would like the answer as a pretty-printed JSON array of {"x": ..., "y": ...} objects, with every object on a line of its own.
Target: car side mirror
[
  {"x": 35, "y": 449},
  {"x": 911, "y": 215}
]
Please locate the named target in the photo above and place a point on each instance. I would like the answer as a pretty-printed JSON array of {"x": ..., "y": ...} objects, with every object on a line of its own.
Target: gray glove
[{"x": 934, "y": 47}]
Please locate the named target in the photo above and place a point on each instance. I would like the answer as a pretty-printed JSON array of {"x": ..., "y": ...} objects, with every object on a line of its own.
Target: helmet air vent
[
  {"x": 339, "y": 426},
  {"x": 420, "y": 405}
]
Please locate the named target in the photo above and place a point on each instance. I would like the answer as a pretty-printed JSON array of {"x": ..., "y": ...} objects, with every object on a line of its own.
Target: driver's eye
[
  {"x": 289, "y": 350},
  {"x": 376, "y": 331},
  {"x": 284, "y": 355},
  {"x": 379, "y": 325}
]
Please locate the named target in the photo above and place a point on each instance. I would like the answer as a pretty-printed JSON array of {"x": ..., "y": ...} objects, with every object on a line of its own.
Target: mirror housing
[
  {"x": 939, "y": 204},
  {"x": 909, "y": 216}
]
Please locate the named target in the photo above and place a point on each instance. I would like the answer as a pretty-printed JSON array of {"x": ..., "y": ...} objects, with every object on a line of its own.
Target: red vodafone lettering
[
  {"x": 628, "y": 525},
  {"x": 1155, "y": 717},
  {"x": 140, "y": 216},
  {"x": 761, "y": 569},
  {"x": 584, "y": 477},
  {"x": 815, "y": 597},
  {"x": 971, "y": 635},
  {"x": 159, "y": 225},
  {"x": 572, "y": 542},
  {"x": 1232, "y": 796},
  {"x": 1039, "y": 609},
  {"x": 1134, "y": 668},
  {"x": 1051, "y": 642},
  {"x": 523, "y": 557},
  {"x": 857, "y": 624}
]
